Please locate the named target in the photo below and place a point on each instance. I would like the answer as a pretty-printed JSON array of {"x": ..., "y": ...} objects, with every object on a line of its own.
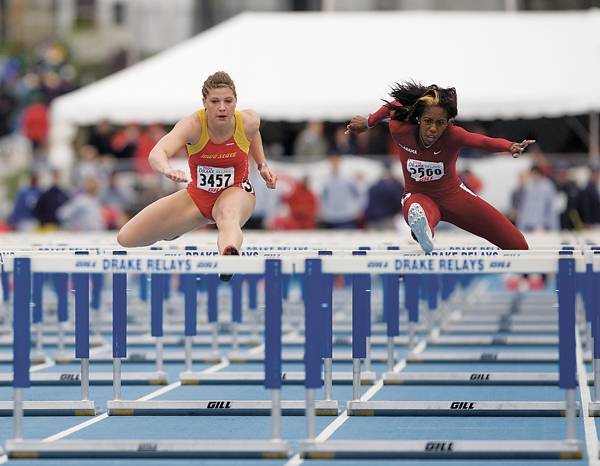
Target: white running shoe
[{"x": 417, "y": 221}]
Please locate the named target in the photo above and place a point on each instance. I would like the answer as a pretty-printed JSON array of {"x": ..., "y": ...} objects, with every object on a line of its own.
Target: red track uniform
[
  {"x": 216, "y": 167},
  {"x": 431, "y": 180}
]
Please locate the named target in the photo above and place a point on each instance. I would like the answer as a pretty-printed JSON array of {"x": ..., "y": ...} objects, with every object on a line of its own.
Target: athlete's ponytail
[{"x": 414, "y": 97}]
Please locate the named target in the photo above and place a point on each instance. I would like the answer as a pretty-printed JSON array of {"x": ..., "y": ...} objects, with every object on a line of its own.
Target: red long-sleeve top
[{"x": 432, "y": 170}]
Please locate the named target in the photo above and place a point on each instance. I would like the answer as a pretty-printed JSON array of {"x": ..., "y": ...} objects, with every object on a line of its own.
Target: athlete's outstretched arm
[
  {"x": 183, "y": 132},
  {"x": 360, "y": 124},
  {"x": 257, "y": 150},
  {"x": 488, "y": 144}
]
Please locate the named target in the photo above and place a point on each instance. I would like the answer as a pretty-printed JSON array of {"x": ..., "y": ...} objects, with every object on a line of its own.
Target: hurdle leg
[
  {"x": 214, "y": 332},
  {"x": 39, "y": 341},
  {"x": 355, "y": 378},
  {"x": 159, "y": 356},
  {"x": 18, "y": 414},
  {"x": 234, "y": 337},
  {"x": 390, "y": 354},
  {"x": 276, "y": 413},
  {"x": 311, "y": 423},
  {"x": 571, "y": 414},
  {"x": 61, "y": 341},
  {"x": 411, "y": 336},
  {"x": 116, "y": 378},
  {"x": 85, "y": 379},
  {"x": 188, "y": 354},
  {"x": 589, "y": 346},
  {"x": 328, "y": 378}
]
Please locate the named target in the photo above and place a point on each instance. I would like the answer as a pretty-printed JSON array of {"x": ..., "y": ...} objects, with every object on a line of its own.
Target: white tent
[{"x": 301, "y": 66}]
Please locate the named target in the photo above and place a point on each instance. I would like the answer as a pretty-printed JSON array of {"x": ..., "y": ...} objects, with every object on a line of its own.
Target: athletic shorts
[{"x": 205, "y": 201}]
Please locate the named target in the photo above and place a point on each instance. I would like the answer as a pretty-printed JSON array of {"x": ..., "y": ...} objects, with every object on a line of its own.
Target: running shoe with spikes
[
  {"x": 228, "y": 251},
  {"x": 417, "y": 221}
]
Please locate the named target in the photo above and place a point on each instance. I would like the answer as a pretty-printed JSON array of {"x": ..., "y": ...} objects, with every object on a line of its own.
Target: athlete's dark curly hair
[{"x": 414, "y": 97}]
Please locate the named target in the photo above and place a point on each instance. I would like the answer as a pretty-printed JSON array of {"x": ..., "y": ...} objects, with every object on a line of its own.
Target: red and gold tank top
[{"x": 214, "y": 167}]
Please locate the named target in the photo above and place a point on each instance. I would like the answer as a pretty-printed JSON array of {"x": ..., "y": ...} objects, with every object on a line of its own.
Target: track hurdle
[
  {"x": 21, "y": 365},
  {"x": 465, "y": 449},
  {"x": 119, "y": 266}
]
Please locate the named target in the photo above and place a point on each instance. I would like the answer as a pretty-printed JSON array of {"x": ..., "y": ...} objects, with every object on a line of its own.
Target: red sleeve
[
  {"x": 478, "y": 141},
  {"x": 382, "y": 114}
]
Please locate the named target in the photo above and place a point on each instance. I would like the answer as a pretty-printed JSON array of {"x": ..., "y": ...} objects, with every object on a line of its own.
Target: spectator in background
[
  {"x": 125, "y": 142},
  {"x": 36, "y": 123},
  {"x": 21, "y": 218},
  {"x": 384, "y": 200},
  {"x": 83, "y": 211},
  {"x": 146, "y": 142},
  {"x": 89, "y": 165},
  {"x": 339, "y": 199},
  {"x": 311, "y": 142},
  {"x": 101, "y": 137},
  {"x": 590, "y": 200},
  {"x": 8, "y": 105},
  {"x": 117, "y": 201},
  {"x": 516, "y": 196},
  {"x": 342, "y": 142},
  {"x": 568, "y": 200},
  {"x": 303, "y": 207},
  {"x": 537, "y": 209},
  {"x": 49, "y": 202},
  {"x": 471, "y": 180}
]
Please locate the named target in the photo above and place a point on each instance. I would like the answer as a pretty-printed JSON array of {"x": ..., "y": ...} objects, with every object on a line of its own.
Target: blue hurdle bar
[
  {"x": 60, "y": 282},
  {"x": 38, "y": 313},
  {"x": 326, "y": 330},
  {"x": 21, "y": 338},
  {"x": 273, "y": 316},
  {"x": 312, "y": 357},
  {"x": 81, "y": 285},
  {"x": 566, "y": 336},
  {"x": 119, "y": 326},
  {"x": 157, "y": 296}
]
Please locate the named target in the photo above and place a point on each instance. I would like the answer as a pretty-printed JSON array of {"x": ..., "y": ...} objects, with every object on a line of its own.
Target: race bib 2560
[
  {"x": 214, "y": 179},
  {"x": 423, "y": 171}
]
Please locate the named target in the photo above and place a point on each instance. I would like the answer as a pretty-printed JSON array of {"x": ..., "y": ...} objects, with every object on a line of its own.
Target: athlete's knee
[
  {"x": 517, "y": 243},
  {"x": 226, "y": 214},
  {"x": 125, "y": 238}
]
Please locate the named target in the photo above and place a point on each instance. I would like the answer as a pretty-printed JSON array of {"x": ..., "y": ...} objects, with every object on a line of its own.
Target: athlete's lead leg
[
  {"x": 231, "y": 211},
  {"x": 165, "y": 218}
]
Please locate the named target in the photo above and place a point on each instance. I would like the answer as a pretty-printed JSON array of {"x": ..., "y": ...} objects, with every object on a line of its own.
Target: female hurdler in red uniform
[
  {"x": 218, "y": 139},
  {"x": 420, "y": 122}
]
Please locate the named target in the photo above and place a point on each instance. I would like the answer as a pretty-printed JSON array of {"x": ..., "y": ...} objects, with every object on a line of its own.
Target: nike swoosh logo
[
  {"x": 230, "y": 144},
  {"x": 436, "y": 153}
]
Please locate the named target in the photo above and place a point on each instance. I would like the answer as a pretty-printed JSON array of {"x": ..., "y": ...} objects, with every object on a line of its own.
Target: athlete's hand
[
  {"x": 358, "y": 124},
  {"x": 176, "y": 175},
  {"x": 517, "y": 148},
  {"x": 269, "y": 177}
]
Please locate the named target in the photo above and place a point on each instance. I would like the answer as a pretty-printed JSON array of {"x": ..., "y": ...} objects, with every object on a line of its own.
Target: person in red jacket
[{"x": 421, "y": 125}]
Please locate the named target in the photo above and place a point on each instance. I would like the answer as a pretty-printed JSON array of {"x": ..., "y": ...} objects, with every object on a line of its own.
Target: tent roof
[{"x": 301, "y": 66}]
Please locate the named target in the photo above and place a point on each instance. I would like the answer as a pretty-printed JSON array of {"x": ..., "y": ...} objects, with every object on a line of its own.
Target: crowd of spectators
[
  {"x": 112, "y": 180},
  {"x": 551, "y": 198}
]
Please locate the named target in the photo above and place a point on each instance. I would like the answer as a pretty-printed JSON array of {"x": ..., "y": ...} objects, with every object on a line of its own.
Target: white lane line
[
  {"x": 589, "y": 423},
  {"x": 296, "y": 460},
  {"x": 160, "y": 391},
  {"x": 149, "y": 396},
  {"x": 342, "y": 418},
  {"x": 76, "y": 428}
]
